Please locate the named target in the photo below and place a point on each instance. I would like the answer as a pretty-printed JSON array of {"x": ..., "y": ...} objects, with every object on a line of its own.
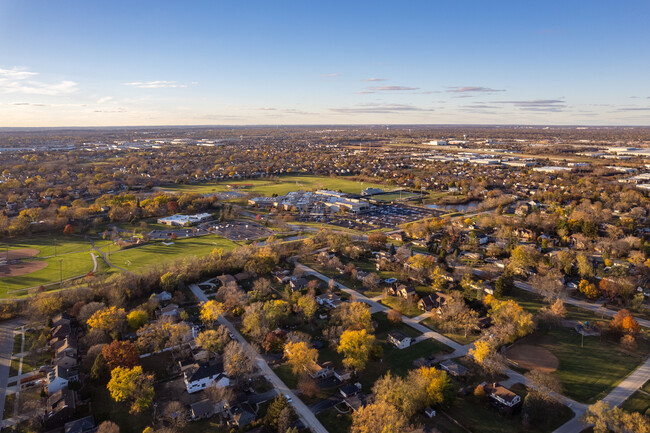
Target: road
[
  {"x": 6, "y": 347},
  {"x": 591, "y": 306},
  {"x": 306, "y": 415}
]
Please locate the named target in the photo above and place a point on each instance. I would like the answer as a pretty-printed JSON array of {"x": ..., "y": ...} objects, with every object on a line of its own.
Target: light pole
[{"x": 60, "y": 272}]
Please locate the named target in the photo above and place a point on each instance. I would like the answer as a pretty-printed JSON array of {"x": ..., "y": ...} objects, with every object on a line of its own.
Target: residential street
[
  {"x": 307, "y": 416},
  {"x": 6, "y": 347}
]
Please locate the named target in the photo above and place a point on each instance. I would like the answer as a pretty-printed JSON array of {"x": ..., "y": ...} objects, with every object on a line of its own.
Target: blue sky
[{"x": 81, "y": 63}]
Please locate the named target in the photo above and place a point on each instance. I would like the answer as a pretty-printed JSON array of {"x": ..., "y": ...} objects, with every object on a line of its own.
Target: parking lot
[{"x": 241, "y": 230}]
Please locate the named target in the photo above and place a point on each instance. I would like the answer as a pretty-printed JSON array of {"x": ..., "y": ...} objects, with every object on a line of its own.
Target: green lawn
[
  {"x": 46, "y": 244},
  {"x": 638, "y": 402},
  {"x": 104, "y": 408},
  {"x": 286, "y": 375},
  {"x": 399, "y": 304},
  {"x": 458, "y": 337},
  {"x": 481, "y": 418},
  {"x": 72, "y": 265},
  {"x": 384, "y": 326},
  {"x": 18, "y": 342},
  {"x": 281, "y": 187},
  {"x": 156, "y": 253},
  {"x": 334, "y": 421},
  {"x": 588, "y": 373},
  {"x": 394, "y": 196}
]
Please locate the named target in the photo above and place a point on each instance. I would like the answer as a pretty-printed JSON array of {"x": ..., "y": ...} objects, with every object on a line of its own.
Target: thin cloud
[
  {"x": 550, "y": 105},
  {"x": 392, "y": 88},
  {"x": 19, "y": 80},
  {"x": 30, "y": 104},
  {"x": 371, "y": 108},
  {"x": 155, "y": 84},
  {"x": 634, "y": 109},
  {"x": 472, "y": 89},
  {"x": 104, "y": 99},
  {"x": 372, "y": 80},
  {"x": 334, "y": 75}
]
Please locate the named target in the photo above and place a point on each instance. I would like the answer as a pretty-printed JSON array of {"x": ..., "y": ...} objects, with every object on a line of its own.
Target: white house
[
  {"x": 399, "y": 340},
  {"x": 205, "y": 376},
  {"x": 329, "y": 300},
  {"x": 59, "y": 378},
  {"x": 501, "y": 394}
]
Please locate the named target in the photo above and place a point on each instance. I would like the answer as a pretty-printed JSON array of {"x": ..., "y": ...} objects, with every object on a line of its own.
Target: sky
[{"x": 100, "y": 63}]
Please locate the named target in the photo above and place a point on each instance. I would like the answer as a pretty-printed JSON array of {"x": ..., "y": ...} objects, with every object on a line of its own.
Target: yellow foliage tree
[
  {"x": 300, "y": 356},
  {"x": 131, "y": 384},
  {"x": 356, "y": 346},
  {"x": 137, "y": 318},
  {"x": 210, "y": 311},
  {"x": 588, "y": 289},
  {"x": 107, "y": 319}
]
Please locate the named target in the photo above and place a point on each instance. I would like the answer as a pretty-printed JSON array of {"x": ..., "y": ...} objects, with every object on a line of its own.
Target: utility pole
[
  {"x": 60, "y": 272},
  {"x": 54, "y": 247}
]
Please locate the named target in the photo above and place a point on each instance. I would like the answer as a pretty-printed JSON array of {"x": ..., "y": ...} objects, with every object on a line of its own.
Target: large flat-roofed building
[
  {"x": 319, "y": 202},
  {"x": 184, "y": 220}
]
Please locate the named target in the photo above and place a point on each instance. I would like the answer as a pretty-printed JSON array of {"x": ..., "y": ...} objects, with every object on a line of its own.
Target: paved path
[
  {"x": 6, "y": 347},
  {"x": 105, "y": 257},
  {"x": 585, "y": 305},
  {"x": 301, "y": 409},
  {"x": 94, "y": 257}
]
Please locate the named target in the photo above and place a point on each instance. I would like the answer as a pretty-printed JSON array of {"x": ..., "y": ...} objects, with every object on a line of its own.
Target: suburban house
[
  {"x": 399, "y": 339},
  {"x": 329, "y": 300},
  {"x": 433, "y": 301},
  {"x": 61, "y": 407},
  {"x": 298, "y": 284},
  {"x": 203, "y": 409},
  {"x": 501, "y": 395},
  {"x": 225, "y": 279},
  {"x": 321, "y": 371},
  {"x": 348, "y": 391},
  {"x": 163, "y": 296},
  {"x": 453, "y": 368},
  {"x": 170, "y": 310},
  {"x": 406, "y": 292},
  {"x": 204, "y": 375},
  {"x": 59, "y": 378},
  {"x": 66, "y": 348},
  {"x": 81, "y": 425},
  {"x": 240, "y": 415},
  {"x": 342, "y": 375}
]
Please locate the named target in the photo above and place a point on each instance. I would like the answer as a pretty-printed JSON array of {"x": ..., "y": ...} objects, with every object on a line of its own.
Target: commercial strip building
[{"x": 319, "y": 203}]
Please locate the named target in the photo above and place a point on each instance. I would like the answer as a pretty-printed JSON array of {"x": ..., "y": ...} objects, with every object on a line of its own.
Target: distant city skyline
[{"x": 73, "y": 63}]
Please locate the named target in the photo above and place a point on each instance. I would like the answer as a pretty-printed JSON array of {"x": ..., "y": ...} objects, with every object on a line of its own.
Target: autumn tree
[
  {"x": 484, "y": 354},
  {"x": 261, "y": 288},
  {"x": 300, "y": 356},
  {"x": 213, "y": 341},
  {"x": 276, "y": 312},
  {"x": 131, "y": 384},
  {"x": 588, "y": 289},
  {"x": 108, "y": 319},
  {"x": 237, "y": 363},
  {"x": 68, "y": 230},
  {"x": 615, "y": 420},
  {"x": 307, "y": 306},
  {"x": 353, "y": 315},
  {"x": 210, "y": 311},
  {"x": 513, "y": 321},
  {"x": 137, "y": 318},
  {"x": 254, "y": 321},
  {"x": 356, "y": 346},
  {"x": 378, "y": 417},
  {"x": 394, "y": 316},
  {"x": 623, "y": 322},
  {"x": 108, "y": 427},
  {"x": 120, "y": 354}
]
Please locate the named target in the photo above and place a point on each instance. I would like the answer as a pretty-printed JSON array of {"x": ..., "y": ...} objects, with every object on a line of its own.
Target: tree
[
  {"x": 68, "y": 230},
  {"x": 300, "y": 356},
  {"x": 231, "y": 296},
  {"x": 371, "y": 281},
  {"x": 261, "y": 288},
  {"x": 99, "y": 370},
  {"x": 307, "y": 306},
  {"x": 356, "y": 347},
  {"x": 514, "y": 322},
  {"x": 137, "y": 318},
  {"x": 353, "y": 315},
  {"x": 275, "y": 409},
  {"x": 254, "y": 321},
  {"x": 378, "y": 417},
  {"x": 120, "y": 354},
  {"x": 108, "y": 427},
  {"x": 615, "y": 420},
  {"x": 213, "y": 341},
  {"x": 624, "y": 323},
  {"x": 588, "y": 289},
  {"x": 236, "y": 362},
  {"x": 179, "y": 334},
  {"x": 308, "y": 386},
  {"x": 394, "y": 316},
  {"x": 548, "y": 285},
  {"x": 377, "y": 240},
  {"x": 175, "y": 414},
  {"x": 522, "y": 258},
  {"x": 485, "y": 355},
  {"x": 108, "y": 319},
  {"x": 585, "y": 268},
  {"x": 504, "y": 284},
  {"x": 131, "y": 384},
  {"x": 276, "y": 311},
  {"x": 169, "y": 281},
  {"x": 210, "y": 311}
]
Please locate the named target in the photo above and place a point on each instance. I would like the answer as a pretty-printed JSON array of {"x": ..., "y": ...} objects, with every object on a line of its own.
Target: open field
[
  {"x": 157, "y": 253},
  {"x": 46, "y": 244},
  {"x": 533, "y": 358},
  {"x": 396, "y": 196},
  {"x": 587, "y": 373},
  {"x": 409, "y": 309},
  {"x": 458, "y": 337},
  {"x": 72, "y": 265},
  {"x": 281, "y": 187},
  {"x": 638, "y": 402}
]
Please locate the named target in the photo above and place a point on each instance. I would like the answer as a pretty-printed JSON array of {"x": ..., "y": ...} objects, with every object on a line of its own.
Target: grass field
[
  {"x": 588, "y": 373},
  {"x": 334, "y": 421},
  {"x": 394, "y": 196},
  {"x": 638, "y": 402},
  {"x": 281, "y": 187},
  {"x": 458, "y": 337},
  {"x": 46, "y": 244},
  {"x": 157, "y": 253},
  {"x": 72, "y": 265},
  {"x": 401, "y": 305}
]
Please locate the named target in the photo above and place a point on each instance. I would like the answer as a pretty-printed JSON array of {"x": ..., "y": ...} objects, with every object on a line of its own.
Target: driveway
[{"x": 326, "y": 403}]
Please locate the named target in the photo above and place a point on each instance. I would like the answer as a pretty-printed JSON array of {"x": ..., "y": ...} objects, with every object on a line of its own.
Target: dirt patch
[
  {"x": 19, "y": 268},
  {"x": 22, "y": 253},
  {"x": 533, "y": 358}
]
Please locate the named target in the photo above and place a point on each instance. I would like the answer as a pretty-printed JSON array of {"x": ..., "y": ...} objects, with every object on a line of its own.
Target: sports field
[
  {"x": 138, "y": 258},
  {"x": 282, "y": 186},
  {"x": 395, "y": 196}
]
